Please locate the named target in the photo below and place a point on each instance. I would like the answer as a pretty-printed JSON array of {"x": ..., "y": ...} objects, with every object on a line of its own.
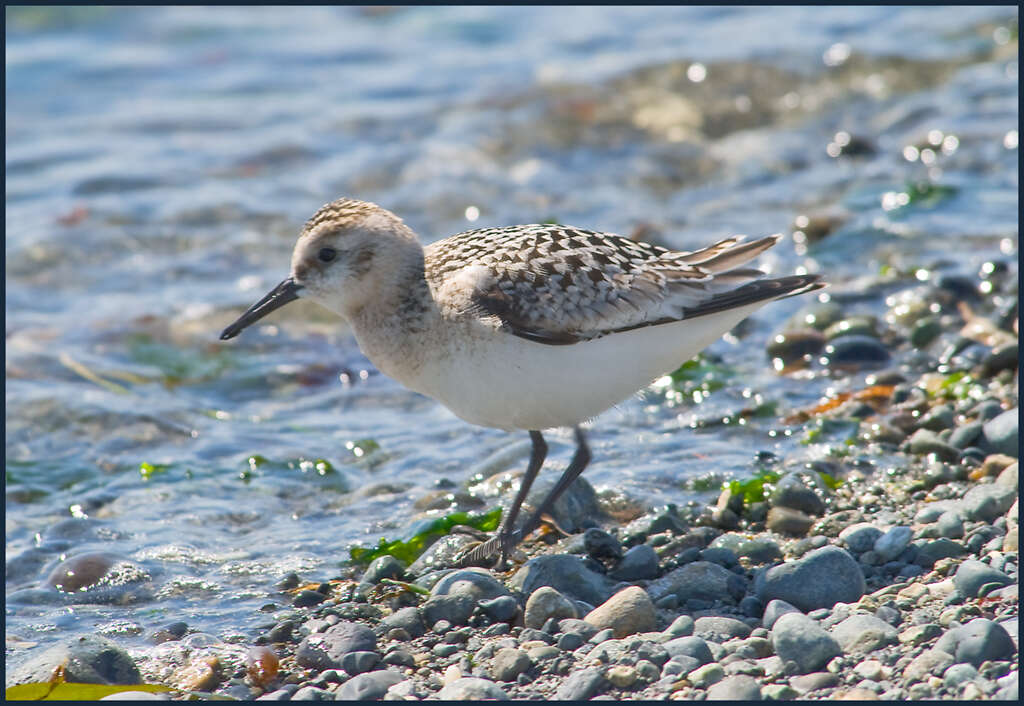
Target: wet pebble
[
  {"x": 509, "y": 663},
  {"x": 893, "y": 542},
  {"x": 383, "y": 567},
  {"x": 327, "y": 649},
  {"x": 949, "y": 524},
  {"x": 965, "y": 435},
  {"x": 90, "y": 660},
  {"x": 925, "y": 441},
  {"x": 720, "y": 628},
  {"x": 598, "y": 544},
  {"x": 856, "y": 350},
  {"x": 785, "y": 520},
  {"x": 692, "y": 646},
  {"x": 794, "y": 345},
  {"x": 791, "y": 491}
]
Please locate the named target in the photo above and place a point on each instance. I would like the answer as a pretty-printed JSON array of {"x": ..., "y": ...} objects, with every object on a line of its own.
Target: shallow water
[{"x": 161, "y": 161}]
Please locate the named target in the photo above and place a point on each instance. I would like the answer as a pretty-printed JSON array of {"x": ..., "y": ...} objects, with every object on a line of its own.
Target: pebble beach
[{"x": 823, "y": 504}]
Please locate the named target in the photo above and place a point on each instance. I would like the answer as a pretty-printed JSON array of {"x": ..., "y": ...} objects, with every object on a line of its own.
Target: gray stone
[
  {"x": 472, "y": 689},
  {"x": 383, "y": 567},
  {"x": 860, "y": 537},
  {"x": 577, "y": 627},
  {"x": 408, "y": 619},
  {"x": 984, "y": 503},
  {"x": 721, "y": 556},
  {"x": 570, "y": 641},
  {"x": 786, "y": 520},
  {"x": 476, "y": 583},
  {"x": 87, "y": 660},
  {"x": 1001, "y": 433},
  {"x": 797, "y": 638},
  {"x": 639, "y": 562},
  {"x": 312, "y": 693},
  {"x": 574, "y": 509},
  {"x": 567, "y": 574},
  {"x": 679, "y": 666},
  {"x": 719, "y": 628},
  {"x": 738, "y": 687},
  {"x": 455, "y": 608},
  {"x": 806, "y": 683},
  {"x": 546, "y": 603},
  {"x": 581, "y": 685},
  {"x": 509, "y": 663},
  {"x": 930, "y": 552},
  {"x": 774, "y": 610},
  {"x": 863, "y": 633},
  {"x": 950, "y": 525},
  {"x": 600, "y": 545},
  {"x": 692, "y": 646},
  {"x": 358, "y": 662},
  {"x": 930, "y": 662},
  {"x": 681, "y": 627},
  {"x": 819, "y": 579},
  {"x": 891, "y": 544},
  {"x": 277, "y": 695},
  {"x": 959, "y": 674},
  {"x": 965, "y": 435},
  {"x": 325, "y": 650},
  {"x": 924, "y": 442},
  {"x": 792, "y": 492},
  {"x": 971, "y": 575},
  {"x": 701, "y": 580},
  {"x": 371, "y": 686},
  {"x": 135, "y": 696},
  {"x": 977, "y": 641},
  {"x": 501, "y": 608}
]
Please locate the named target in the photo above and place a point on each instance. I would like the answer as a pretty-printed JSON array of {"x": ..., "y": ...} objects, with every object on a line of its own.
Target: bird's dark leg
[
  {"x": 579, "y": 462},
  {"x": 506, "y": 537}
]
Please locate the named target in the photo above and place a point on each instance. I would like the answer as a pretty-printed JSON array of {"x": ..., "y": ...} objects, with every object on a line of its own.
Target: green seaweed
[
  {"x": 73, "y": 691},
  {"x": 179, "y": 365},
  {"x": 752, "y": 490},
  {"x": 423, "y": 535},
  {"x": 927, "y": 193},
  {"x": 148, "y": 470}
]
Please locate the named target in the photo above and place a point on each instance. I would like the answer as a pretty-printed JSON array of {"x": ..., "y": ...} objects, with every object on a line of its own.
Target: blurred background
[{"x": 161, "y": 161}]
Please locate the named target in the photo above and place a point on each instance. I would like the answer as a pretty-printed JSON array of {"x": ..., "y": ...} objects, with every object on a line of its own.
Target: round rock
[
  {"x": 472, "y": 689},
  {"x": 569, "y": 575},
  {"x": 370, "y": 686},
  {"x": 325, "y": 650},
  {"x": 797, "y": 638},
  {"x": 819, "y": 579},
  {"x": 738, "y": 687},
  {"x": 971, "y": 575},
  {"x": 638, "y": 563},
  {"x": 627, "y": 612},
  {"x": 477, "y": 583},
  {"x": 544, "y": 604},
  {"x": 977, "y": 641}
]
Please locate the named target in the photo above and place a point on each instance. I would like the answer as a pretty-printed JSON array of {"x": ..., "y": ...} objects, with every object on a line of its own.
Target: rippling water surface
[{"x": 161, "y": 161}]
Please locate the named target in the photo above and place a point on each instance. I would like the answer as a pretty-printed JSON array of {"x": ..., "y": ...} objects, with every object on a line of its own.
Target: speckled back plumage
[{"x": 558, "y": 284}]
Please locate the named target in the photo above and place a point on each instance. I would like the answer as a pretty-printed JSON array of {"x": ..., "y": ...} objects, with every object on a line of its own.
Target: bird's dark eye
[{"x": 327, "y": 254}]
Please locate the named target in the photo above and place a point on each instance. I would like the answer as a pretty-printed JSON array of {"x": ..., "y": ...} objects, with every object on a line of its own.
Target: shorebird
[{"x": 525, "y": 327}]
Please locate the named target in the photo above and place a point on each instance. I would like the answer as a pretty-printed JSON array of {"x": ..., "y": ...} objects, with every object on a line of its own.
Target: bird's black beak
[{"x": 280, "y": 295}]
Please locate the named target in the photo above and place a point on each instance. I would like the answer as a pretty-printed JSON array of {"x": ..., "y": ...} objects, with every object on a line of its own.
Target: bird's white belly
[{"x": 503, "y": 381}]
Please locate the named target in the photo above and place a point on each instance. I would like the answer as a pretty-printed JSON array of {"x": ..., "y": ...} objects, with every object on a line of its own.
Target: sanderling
[{"x": 525, "y": 327}]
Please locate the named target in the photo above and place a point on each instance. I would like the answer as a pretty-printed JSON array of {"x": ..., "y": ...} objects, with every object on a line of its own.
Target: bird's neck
[{"x": 389, "y": 327}]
